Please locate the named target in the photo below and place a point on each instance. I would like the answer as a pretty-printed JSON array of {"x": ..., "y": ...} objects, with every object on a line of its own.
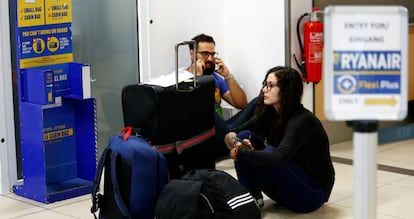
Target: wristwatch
[{"x": 228, "y": 78}]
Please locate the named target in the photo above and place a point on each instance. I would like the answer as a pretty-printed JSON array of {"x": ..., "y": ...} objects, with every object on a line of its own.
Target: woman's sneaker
[{"x": 259, "y": 202}]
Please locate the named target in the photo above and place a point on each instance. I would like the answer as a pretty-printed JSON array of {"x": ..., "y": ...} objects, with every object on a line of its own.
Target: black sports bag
[{"x": 210, "y": 194}]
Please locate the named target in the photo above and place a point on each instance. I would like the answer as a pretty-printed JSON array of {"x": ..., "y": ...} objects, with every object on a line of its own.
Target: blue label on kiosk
[{"x": 45, "y": 45}]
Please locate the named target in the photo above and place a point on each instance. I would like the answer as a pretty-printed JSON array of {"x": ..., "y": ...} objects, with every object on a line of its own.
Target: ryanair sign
[
  {"x": 367, "y": 72},
  {"x": 365, "y": 62},
  {"x": 376, "y": 61}
]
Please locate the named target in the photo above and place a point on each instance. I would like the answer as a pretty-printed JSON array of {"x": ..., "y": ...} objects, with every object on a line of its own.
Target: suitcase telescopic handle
[{"x": 194, "y": 60}]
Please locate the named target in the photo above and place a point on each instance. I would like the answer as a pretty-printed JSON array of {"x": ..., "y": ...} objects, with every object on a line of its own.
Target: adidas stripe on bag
[{"x": 240, "y": 200}]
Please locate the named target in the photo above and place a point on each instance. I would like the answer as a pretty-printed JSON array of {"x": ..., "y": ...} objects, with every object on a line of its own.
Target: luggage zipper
[{"x": 208, "y": 202}]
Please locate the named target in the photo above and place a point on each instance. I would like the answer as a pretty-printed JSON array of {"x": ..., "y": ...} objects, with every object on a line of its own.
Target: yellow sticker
[
  {"x": 58, "y": 11},
  {"x": 46, "y": 60},
  {"x": 30, "y": 13},
  {"x": 58, "y": 134}
]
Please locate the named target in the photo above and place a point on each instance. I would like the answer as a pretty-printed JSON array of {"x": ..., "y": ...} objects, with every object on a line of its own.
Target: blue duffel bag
[{"x": 134, "y": 175}]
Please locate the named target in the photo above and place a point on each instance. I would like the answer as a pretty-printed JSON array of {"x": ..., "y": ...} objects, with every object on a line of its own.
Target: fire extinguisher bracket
[{"x": 312, "y": 49}]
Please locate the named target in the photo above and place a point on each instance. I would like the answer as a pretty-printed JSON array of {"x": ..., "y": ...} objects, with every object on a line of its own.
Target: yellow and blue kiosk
[{"x": 57, "y": 112}]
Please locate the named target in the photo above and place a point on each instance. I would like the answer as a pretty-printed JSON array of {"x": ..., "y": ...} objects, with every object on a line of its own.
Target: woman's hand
[
  {"x": 240, "y": 145},
  {"x": 229, "y": 139},
  {"x": 233, "y": 153},
  {"x": 245, "y": 144},
  {"x": 232, "y": 141}
]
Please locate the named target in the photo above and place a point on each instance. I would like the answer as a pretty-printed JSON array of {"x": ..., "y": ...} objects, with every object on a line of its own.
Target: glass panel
[{"x": 105, "y": 36}]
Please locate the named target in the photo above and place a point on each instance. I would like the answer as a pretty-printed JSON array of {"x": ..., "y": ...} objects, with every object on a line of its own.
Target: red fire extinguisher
[{"x": 312, "y": 50}]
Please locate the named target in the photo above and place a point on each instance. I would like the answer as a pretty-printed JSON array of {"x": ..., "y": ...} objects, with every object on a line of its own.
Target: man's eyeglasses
[
  {"x": 206, "y": 54},
  {"x": 269, "y": 86}
]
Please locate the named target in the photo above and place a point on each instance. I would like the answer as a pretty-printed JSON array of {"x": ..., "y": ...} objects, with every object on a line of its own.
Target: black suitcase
[{"x": 178, "y": 120}]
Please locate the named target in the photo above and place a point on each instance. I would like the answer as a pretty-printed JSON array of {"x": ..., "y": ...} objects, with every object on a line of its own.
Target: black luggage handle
[{"x": 194, "y": 60}]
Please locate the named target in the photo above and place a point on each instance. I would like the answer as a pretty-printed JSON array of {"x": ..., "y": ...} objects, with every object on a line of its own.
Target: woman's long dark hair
[{"x": 270, "y": 122}]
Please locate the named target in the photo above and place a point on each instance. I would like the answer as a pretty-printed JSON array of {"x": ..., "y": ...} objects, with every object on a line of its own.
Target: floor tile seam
[
  {"x": 341, "y": 155},
  {"x": 341, "y": 205},
  {"x": 43, "y": 205},
  {"x": 341, "y": 199},
  {"x": 382, "y": 167},
  {"x": 351, "y": 208},
  {"x": 39, "y": 205},
  {"x": 338, "y": 158},
  {"x": 398, "y": 170},
  {"x": 388, "y": 215},
  {"x": 62, "y": 213},
  {"x": 394, "y": 148},
  {"x": 384, "y": 147},
  {"x": 394, "y": 160},
  {"x": 395, "y": 145},
  {"x": 337, "y": 203},
  {"x": 399, "y": 162},
  {"x": 393, "y": 184},
  {"x": 31, "y": 213}
]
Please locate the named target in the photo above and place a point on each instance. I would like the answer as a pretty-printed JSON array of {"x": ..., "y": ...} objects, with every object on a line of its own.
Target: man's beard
[{"x": 209, "y": 70}]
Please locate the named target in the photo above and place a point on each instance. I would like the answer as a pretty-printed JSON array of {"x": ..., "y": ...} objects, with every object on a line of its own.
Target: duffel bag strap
[
  {"x": 117, "y": 193},
  {"x": 97, "y": 181}
]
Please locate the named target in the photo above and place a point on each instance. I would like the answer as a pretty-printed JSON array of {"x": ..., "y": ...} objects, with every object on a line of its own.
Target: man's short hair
[{"x": 202, "y": 38}]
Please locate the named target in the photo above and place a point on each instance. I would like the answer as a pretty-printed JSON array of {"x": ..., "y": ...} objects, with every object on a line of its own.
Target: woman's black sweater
[{"x": 304, "y": 141}]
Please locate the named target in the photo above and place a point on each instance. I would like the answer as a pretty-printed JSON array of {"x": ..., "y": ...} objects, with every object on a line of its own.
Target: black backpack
[{"x": 206, "y": 194}]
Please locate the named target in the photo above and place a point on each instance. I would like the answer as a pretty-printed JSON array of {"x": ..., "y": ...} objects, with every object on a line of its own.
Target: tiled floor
[{"x": 395, "y": 191}]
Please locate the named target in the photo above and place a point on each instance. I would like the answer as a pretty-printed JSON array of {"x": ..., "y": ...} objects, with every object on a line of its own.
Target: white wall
[
  {"x": 8, "y": 171},
  {"x": 298, "y": 8},
  {"x": 172, "y": 22},
  {"x": 255, "y": 39},
  {"x": 249, "y": 36}
]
